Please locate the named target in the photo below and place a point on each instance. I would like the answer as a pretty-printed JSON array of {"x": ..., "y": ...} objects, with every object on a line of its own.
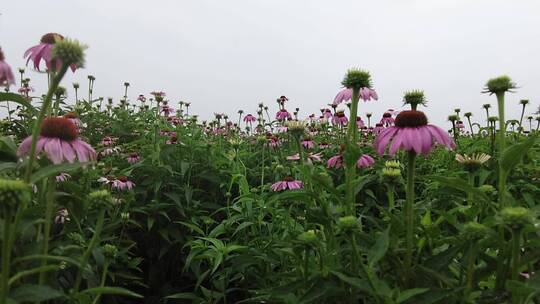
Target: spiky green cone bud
[
  {"x": 308, "y": 238},
  {"x": 475, "y": 231},
  {"x": 70, "y": 52},
  {"x": 499, "y": 85},
  {"x": 453, "y": 118},
  {"x": 296, "y": 128},
  {"x": 348, "y": 223},
  {"x": 13, "y": 193},
  {"x": 110, "y": 251},
  {"x": 414, "y": 98},
  {"x": 357, "y": 78},
  {"x": 77, "y": 238},
  {"x": 100, "y": 199},
  {"x": 488, "y": 189},
  {"x": 516, "y": 217}
]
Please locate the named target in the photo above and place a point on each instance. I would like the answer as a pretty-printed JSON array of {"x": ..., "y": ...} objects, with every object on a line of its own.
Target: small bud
[
  {"x": 13, "y": 193},
  {"x": 110, "y": 251},
  {"x": 348, "y": 223},
  {"x": 100, "y": 198},
  {"x": 308, "y": 238},
  {"x": 516, "y": 217}
]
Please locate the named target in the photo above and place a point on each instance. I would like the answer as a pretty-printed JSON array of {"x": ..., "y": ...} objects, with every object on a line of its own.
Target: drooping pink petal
[{"x": 53, "y": 149}]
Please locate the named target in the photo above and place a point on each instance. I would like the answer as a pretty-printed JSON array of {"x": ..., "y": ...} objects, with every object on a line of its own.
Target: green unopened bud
[
  {"x": 357, "y": 78},
  {"x": 100, "y": 198},
  {"x": 13, "y": 193},
  {"x": 125, "y": 216},
  {"x": 391, "y": 174},
  {"x": 453, "y": 118},
  {"x": 487, "y": 189},
  {"x": 392, "y": 164},
  {"x": 348, "y": 223},
  {"x": 308, "y": 238},
  {"x": 77, "y": 238},
  {"x": 516, "y": 217},
  {"x": 296, "y": 128},
  {"x": 70, "y": 52},
  {"x": 475, "y": 230},
  {"x": 110, "y": 251},
  {"x": 499, "y": 85}
]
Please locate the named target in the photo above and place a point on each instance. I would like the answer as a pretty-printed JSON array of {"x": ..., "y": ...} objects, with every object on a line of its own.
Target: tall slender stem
[
  {"x": 49, "y": 207},
  {"x": 502, "y": 146},
  {"x": 409, "y": 210},
  {"x": 88, "y": 252},
  {"x": 350, "y": 172},
  {"x": 6, "y": 255}
]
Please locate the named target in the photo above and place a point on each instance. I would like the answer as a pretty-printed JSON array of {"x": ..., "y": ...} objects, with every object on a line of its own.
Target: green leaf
[
  {"x": 54, "y": 170},
  {"x": 111, "y": 291},
  {"x": 35, "y": 293},
  {"x": 460, "y": 184},
  {"x": 409, "y": 293},
  {"x": 377, "y": 252},
  {"x": 355, "y": 282},
  {"x": 185, "y": 296},
  {"x": 17, "y": 99},
  {"x": 512, "y": 155}
]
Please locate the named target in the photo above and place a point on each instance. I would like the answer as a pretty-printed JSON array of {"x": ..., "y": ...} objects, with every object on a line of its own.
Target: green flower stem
[
  {"x": 521, "y": 119},
  {"x": 88, "y": 252},
  {"x": 37, "y": 126},
  {"x": 306, "y": 265},
  {"x": 103, "y": 280},
  {"x": 390, "y": 196},
  {"x": 262, "y": 164},
  {"x": 502, "y": 146},
  {"x": 357, "y": 260},
  {"x": 6, "y": 256},
  {"x": 516, "y": 248},
  {"x": 350, "y": 172},
  {"x": 470, "y": 269},
  {"x": 355, "y": 256},
  {"x": 409, "y": 211},
  {"x": 469, "y": 194},
  {"x": 470, "y": 126},
  {"x": 49, "y": 208}
]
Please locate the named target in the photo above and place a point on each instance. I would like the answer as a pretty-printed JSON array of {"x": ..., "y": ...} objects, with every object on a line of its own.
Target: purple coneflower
[
  {"x": 366, "y": 94},
  {"x": 378, "y": 128},
  {"x": 107, "y": 141},
  {"x": 340, "y": 119},
  {"x": 133, "y": 158},
  {"x": 411, "y": 132},
  {"x": 287, "y": 183},
  {"x": 62, "y": 177},
  {"x": 141, "y": 98},
  {"x": 311, "y": 157},
  {"x": 62, "y": 216},
  {"x": 44, "y": 51},
  {"x": 387, "y": 119},
  {"x": 359, "y": 122},
  {"x": 59, "y": 140},
  {"x": 335, "y": 161},
  {"x": 249, "y": 118},
  {"x": 365, "y": 161},
  {"x": 6, "y": 74},
  {"x": 119, "y": 183},
  {"x": 283, "y": 115},
  {"x": 308, "y": 143}
]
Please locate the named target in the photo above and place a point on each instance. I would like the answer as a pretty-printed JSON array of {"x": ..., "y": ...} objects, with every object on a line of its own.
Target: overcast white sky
[{"x": 229, "y": 55}]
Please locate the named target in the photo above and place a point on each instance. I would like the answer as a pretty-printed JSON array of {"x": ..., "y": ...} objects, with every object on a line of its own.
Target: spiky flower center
[
  {"x": 340, "y": 114},
  {"x": 123, "y": 179},
  {"x": 386, "y": 115},
  {"x": 288, "y": 179},
  {"x": 51, "y": 38},
  {"x": 411, "y": 119},
  {"x": 59, "y": 127},
  {"x": 2, "y": 57}
]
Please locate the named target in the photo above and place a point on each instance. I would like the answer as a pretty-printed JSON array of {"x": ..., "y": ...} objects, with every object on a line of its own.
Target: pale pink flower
[
  {"x": 133, "y": 158},
  {"x": 249, "y": 118},
  {"x": 335, "y": 161},
  {"x": 44, "y": 51},
  {"x": 59, "y": 141},
  {"x": 283, "y": 115},
  {"x": 62, "y": 177},
  {"x": 6, "y": 74},
  {"x": 365, "y": 161},
  {"x": 412, "y": 133},
  {"x": 340, "y": 119},
  {"x": 287, "y": 183}
]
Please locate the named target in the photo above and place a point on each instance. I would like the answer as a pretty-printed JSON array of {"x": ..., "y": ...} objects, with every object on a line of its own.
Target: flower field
[{"x": 142, "y": 201}]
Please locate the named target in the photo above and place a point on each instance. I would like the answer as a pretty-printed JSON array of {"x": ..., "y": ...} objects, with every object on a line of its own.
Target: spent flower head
[
  {"x": 356, "y": 79},
  {"x": 70, "y": 52},
  {"x": 499, "y": 85}
]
